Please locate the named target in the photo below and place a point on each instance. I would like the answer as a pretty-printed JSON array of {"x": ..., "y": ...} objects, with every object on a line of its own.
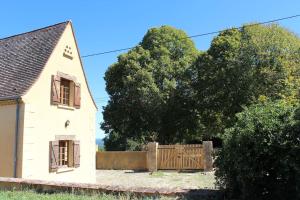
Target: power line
[
  {"x": 198, "y": 35},
  {"x": 106, "y": 52},
  {"x": 101, "y": 98}
]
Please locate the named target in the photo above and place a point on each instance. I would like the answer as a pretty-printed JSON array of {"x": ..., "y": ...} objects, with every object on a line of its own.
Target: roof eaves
[{"x": 10, "y": 98}]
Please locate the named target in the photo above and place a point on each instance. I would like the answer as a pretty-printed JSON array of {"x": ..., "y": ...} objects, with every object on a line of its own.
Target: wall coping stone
[{"x": 56, "y": 186}]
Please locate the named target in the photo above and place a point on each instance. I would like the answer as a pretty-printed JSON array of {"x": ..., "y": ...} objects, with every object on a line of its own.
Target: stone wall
[
  {"x": 120, "y": 160},
  {"x": 145, "y": 160},
  {"x": 15, "y": 184}
]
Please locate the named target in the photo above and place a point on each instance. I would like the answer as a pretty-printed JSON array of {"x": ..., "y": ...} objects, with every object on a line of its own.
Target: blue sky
[{"x": 113, "y": 24}]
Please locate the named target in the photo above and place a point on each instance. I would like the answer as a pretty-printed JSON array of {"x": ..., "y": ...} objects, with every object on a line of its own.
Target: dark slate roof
[{"x": 23, "y": 57}]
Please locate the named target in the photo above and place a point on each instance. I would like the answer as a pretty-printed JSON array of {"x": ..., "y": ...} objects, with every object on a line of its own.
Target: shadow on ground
[{"x": 203, "y": 194}]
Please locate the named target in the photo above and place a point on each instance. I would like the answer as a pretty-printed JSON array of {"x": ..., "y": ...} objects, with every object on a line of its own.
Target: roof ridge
[{"x": 39, "y": 29}]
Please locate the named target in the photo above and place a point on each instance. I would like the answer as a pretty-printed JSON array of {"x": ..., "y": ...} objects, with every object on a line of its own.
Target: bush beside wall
[{"x": 260, "y": 155}]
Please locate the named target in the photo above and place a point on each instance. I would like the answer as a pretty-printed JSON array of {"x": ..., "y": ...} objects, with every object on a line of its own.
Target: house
[{"x": 47, "y": 113}]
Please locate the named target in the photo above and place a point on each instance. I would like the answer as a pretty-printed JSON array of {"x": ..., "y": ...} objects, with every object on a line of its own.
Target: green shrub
[{"x": 260, "y": 158}]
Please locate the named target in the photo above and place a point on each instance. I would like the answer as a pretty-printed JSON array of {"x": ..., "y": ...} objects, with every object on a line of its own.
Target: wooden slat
[{"x": 180, "y": 157}]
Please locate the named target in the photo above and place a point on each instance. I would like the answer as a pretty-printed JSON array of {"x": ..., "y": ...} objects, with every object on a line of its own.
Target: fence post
[
  {"x": 152, "y": 156},
  {"x": 207, "y": 155}
]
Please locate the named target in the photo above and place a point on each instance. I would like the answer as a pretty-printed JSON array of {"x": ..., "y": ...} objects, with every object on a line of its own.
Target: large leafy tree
[
  {"x": 244, "y": 66},
  {"x": 165, "y": 90},
  {"x": 150, "y": 91}
]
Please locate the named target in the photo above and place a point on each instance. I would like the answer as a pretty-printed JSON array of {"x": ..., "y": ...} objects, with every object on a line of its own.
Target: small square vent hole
[{"x": 68, "y": 52}]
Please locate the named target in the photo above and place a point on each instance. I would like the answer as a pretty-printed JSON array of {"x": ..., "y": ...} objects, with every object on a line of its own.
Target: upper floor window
[{"x": 65, "y": 91}]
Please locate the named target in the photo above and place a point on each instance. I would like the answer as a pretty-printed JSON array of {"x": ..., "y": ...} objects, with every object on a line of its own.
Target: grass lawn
[
  {"x": 157, "y": 174},
  {"x": 30, "y": 195}
]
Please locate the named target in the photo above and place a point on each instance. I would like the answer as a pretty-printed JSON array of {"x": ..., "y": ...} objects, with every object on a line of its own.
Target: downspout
[{"x": 16, "y": 137}]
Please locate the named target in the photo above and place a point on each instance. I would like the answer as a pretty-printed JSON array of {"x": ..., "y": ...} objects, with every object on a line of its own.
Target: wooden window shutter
[
  {"x": 77, "y": 96},
  {"x": 76, "y": 153},
  {"x": 55, "y": 90},
  {"x": 54, "y": 155},
  {"x": 71, "y": 154}
]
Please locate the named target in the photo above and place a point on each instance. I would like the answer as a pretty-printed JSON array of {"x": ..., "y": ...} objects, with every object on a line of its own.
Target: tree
[
  {"x": 242, "y": 67},
  {"x": 149, "y": 92},
  {"x": 165, "y": 90},
  {"x": 260, "y": 154}
]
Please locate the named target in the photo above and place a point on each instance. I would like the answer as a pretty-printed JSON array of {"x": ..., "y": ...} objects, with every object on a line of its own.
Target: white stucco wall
[
  {"x": 43, "y": 121},
  {"x": 7, "y": 138}
]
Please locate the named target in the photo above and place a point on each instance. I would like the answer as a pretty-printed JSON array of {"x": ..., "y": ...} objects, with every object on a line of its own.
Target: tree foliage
[
  {"x": 147, "y": 88},
  {"x": 244, "y": 66},
  {"x": 260, "y": 155},
  {"x": 166, "y": 90}
]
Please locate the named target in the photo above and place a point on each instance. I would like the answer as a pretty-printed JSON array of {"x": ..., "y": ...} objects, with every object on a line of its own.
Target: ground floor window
[{"x": 63, "y": 153}]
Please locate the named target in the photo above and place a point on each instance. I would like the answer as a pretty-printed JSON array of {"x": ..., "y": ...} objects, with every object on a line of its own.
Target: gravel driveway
[{"x": 160, "y": 179}]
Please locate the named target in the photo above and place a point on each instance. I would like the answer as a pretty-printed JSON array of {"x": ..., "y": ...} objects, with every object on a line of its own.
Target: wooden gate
[{"x": 180, "y": 157}]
